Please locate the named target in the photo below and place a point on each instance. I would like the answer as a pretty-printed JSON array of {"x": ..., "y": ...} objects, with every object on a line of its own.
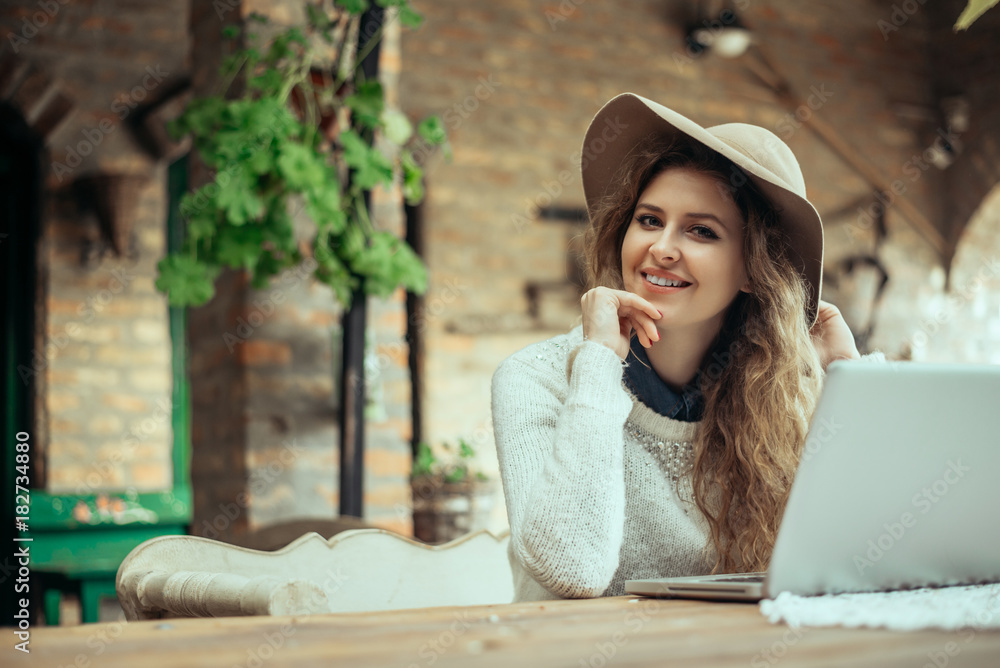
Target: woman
[{"x": 660, "y": 438}]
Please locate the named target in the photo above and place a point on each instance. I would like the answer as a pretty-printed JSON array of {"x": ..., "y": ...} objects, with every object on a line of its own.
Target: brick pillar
[{"x": 218, "y": 379}]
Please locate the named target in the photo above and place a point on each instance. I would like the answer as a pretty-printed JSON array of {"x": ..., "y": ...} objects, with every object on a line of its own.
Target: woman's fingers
[
  {"x": 638, "y": 303},
  {"x": 645, "y": 328},
  {"x": 642, "y": 315},
  {"x": 610, "y": 316},
  {"x": 640, "y": 332}
]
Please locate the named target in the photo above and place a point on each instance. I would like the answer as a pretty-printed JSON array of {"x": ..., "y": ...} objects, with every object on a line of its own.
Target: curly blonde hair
[{"x": 761, "y": 376}]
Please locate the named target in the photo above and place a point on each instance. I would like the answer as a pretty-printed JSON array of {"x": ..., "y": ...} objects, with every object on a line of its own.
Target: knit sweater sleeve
[{"x": 560, "y": 446}]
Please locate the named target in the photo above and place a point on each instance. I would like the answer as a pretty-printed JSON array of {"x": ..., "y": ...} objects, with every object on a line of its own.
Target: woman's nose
[{"x": 666, "y": 247}]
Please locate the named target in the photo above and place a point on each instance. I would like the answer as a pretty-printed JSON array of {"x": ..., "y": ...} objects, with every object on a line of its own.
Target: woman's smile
[{"x": 663, "y": 281}]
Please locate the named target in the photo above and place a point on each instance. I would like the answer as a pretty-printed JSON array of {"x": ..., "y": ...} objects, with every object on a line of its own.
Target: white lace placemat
[{"x": 948, "y": 608}]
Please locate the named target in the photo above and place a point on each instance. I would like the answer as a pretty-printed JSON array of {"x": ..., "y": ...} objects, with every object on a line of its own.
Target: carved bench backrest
[{"x": 355, "y": 571}]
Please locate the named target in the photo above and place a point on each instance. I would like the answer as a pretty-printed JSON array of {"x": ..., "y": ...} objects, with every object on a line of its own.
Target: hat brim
[{"x": 634, "y": 120}]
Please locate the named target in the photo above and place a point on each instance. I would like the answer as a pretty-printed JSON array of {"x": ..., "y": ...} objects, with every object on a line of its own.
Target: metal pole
[
  {"x": 352, "y": 381},
  {"x": 352, "y": 407},
  {"x": 415, "y": 326}
]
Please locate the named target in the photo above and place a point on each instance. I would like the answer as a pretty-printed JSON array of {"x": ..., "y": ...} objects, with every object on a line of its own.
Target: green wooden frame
[{"x": 86, "y": 547}]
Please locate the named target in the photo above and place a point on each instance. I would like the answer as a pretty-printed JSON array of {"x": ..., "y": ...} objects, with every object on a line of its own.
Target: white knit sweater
[{"x": 597, "y": 484}]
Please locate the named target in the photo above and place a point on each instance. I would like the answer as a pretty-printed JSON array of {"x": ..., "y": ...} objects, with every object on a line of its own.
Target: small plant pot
[{"x": 444, "y": 511}]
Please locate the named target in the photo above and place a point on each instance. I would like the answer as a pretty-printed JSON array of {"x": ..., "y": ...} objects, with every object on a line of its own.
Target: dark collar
[{"x": 686, "y": 405}]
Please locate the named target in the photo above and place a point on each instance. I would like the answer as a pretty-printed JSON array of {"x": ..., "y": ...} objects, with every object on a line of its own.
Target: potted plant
[
  {"x": 450, "y": 497},
  {"x": 298, "y": 135}
]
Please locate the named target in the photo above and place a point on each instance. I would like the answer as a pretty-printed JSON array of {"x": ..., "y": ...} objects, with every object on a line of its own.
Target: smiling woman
[{"x": 661, "y": 436}]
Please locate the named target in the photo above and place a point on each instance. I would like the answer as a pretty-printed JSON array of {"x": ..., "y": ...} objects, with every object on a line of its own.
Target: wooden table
[{"x": 621, "y": 631}]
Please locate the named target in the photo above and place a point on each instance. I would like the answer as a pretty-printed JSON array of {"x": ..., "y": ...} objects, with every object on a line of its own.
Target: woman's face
[{"x": 683, "y": 251}]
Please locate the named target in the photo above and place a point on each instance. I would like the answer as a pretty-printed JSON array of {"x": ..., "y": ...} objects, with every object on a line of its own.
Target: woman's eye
[
  {"x": 705, "y": 232},
  {"x": 648, "y": 221}
]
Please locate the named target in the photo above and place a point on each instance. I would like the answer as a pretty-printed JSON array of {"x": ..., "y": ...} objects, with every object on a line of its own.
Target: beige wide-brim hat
[{"x": 628, "y": 121}]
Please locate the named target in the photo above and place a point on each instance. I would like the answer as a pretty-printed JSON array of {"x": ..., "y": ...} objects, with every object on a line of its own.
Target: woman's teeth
[{"x": 663, "y": 282}]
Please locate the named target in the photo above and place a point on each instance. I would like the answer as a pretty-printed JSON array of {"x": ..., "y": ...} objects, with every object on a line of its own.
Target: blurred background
[{"x": 223, "y": 420}]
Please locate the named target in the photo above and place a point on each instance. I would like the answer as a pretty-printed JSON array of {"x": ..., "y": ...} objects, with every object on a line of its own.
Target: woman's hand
[
  {"x": 831, "y": 337},
  {"x": 610, "y": 316}
]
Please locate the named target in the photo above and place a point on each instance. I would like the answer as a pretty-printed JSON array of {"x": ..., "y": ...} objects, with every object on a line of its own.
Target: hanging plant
[{"x": 299, "y": 134}]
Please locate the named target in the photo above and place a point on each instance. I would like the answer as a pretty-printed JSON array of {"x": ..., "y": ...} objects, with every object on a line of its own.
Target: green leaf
[
  {"x": 367, "y": 103},
  {"x": 423, "y": 463},
  {"x": 296, "y": 35},
  {"x": 239, "y": 247},
  {"x": 323, "y": 206},
  {"x": 321, "y": 21},
  {"x": 432, "y": 130},
  {"x": 331, "y": 271},
  {"x": 413, "y": 179},
  {"x": 456, "y": 474},
  {"x": 186, "y": 281},
  {"x": 465, "y": 450},
  {"x": 239, "y": 200},
  {"x": 973, "y": 10},
  {"x": 409, "y": 17},
  {"x": 264, "y": 117},
  {"x": 268, "y": 264},
  {"x": 300, "y": 166},
  {"x": 200, "y": 117},
  {"x": 229, "y": 145},
  {"x": 409, "y": 271},
  {"x": 398, "y": 128},
  {"x": 267, "y": 83},
  {"x": 370, "y": 166},
  {"x": 352, "y": 6},
  {"x": 195, "y": 203},
  {"x": 200, "y": 214},
  {"x": 387, "y": 263},
  {"x": 231, "y": 32},
  {"x": 272, "y": 121},
  {"x": 279, "y": 231},
  {"x": 260, "y": 161},
  {"x": 316, "y": 17}
]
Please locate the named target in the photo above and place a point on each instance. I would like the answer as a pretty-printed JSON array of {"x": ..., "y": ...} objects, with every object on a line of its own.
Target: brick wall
[
  {"x": 102, "y": 337},
  {"x": 517, "y": 84},
  {"x": 108, "y": 397}
]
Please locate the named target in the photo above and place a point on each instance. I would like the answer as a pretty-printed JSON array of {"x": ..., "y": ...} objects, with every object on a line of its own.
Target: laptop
[{"x": 898, "y": 487}]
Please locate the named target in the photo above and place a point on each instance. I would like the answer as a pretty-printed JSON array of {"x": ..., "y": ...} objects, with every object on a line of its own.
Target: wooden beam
[{"x": 768, "y": 73}]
